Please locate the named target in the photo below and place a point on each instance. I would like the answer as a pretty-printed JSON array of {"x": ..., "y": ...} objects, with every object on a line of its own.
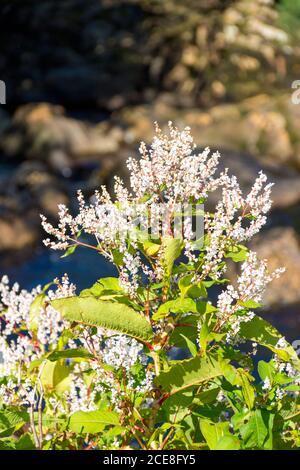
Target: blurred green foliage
[{"x": 289, "y": 16}]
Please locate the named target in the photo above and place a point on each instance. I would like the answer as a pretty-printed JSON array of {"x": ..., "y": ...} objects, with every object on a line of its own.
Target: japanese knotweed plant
[{"x": 161, "y": 356}]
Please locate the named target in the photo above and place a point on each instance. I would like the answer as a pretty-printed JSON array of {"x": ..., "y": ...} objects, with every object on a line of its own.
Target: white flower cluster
[
  {"x": 169, "y": 173},
  {"x": 289, "y": 371},
  {"x": 236, "y": 219},
  {"x": 21, "y": 342},
  {"x": 251, "y": 284},
  {"x": 16, "y": 346},
  {"x": 170, "y": 170},
  {"x": 118, "y": 352}
]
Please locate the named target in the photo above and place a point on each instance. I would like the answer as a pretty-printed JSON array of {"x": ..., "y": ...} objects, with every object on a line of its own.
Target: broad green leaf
[
  {"x": 183, "y": 305},
  {"x": 247, "y": 389},
  {"x": 92, "y": 421},
  {"x": 53, "y": 374},
  {"x": 7, "y": 444},
  {"x": 69, "y": 354},
  {"x": 257, "y": 433},
  {"x": 261, "y": 332},
  {"x": 204, "y": 332},
  {"x": 266, "y": 370},
  {"x": 172, "y": 248},
  {"x": 228, "y": 442},
  {"x": 249, "y": 304},
  {"x": 191, "y": 372},
  {"x": 51, "y": 422},
  {"x": 184, "y": 283},
  {"x": 208, "y": 396},
  {"x": 111, "y": 315},
  {"x": 11, "y": 421},
  {"x": 175, "y": 306},
  {"x": 25, "y": 442},
  {"x": 188, "y": 328},
  {"x": 238, "y": 253},
  {"x": 102, "y": 286},
  {"x": 190, "y": 289},
  {"x": 205, "y": 307},
  {"x": 151, "y": 248},
  {"x": 35, "y": 310},
  {"x": 191, "y": 346},
  {"x": 293, "y": 388},
  {"x": 175, "y": 407},
  {"x": 213, "y": 432}
]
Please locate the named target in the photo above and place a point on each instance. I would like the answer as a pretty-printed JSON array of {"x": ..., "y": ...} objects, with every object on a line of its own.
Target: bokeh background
[{"x": 85, "y": 79}]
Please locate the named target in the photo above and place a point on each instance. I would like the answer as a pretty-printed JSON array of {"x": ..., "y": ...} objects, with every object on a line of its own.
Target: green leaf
[
  {"x": 228, "y": 442},
  {"x": 175, "y": 407},
  {"x": 53, "y": 374},
  {"x": 238, "y": 253},
  {"x": 34, "y": 312},
  {"x": 151, "y": 248},
  {"x": 111, "y": 315},
  {"x": 213, "y": 432},
  {"x": 172, "y": 248},
  {"x": 103, "y": 286},
  {"x": 11, "y": 421},
  {"x": 7, "y": 444},
  {"x": 190, "y": 372},
  {"x": 92, "y": 421},
  {"x": 25, "y": 442},
  {"x": 260, "y": 331},
  {"x": 118, "y": 257},
  {"x": 204, "y": 333},
  {"x": 191, "y": 346},
  {"x": 69, "y": 251},
  {"x": 189, "y": 329},
  {"x": 35, "y": 308},
  {"x": 186, "y": 287},
  {"x": 266, "y": 370},
  {"x": 257, "y": 433},
  {"x": 249, "y": 304},
  {"x": 208, "y": 396},
  {"x": 175, "y": 306},
  {"x": 70, "y": 354},
  {"x": 247, "y": 389},
  {"x": 184, "y": 283}
]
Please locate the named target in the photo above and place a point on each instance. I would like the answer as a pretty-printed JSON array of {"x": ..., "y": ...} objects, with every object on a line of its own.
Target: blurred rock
[
  {"x": 16, "y": 234},
  {"x": 43, "y": 132},
  {"x": 281, "y": 247},
  {"x": 267, "y": 127},
  {"x": 43, "y": 191}
]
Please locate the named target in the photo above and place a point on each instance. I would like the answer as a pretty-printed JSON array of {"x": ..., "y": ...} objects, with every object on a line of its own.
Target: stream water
[{"x": 83, "y": 267}]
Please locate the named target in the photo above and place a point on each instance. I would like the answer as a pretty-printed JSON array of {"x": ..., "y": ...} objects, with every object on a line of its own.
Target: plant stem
[
  {"x": 32, "y": 425},
  {"x": 166, "y": 439},
  {"x": 156, "y": 361}
]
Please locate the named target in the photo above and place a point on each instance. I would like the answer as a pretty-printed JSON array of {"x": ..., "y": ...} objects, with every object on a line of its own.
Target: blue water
[{"x": 84, "y": 267}]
